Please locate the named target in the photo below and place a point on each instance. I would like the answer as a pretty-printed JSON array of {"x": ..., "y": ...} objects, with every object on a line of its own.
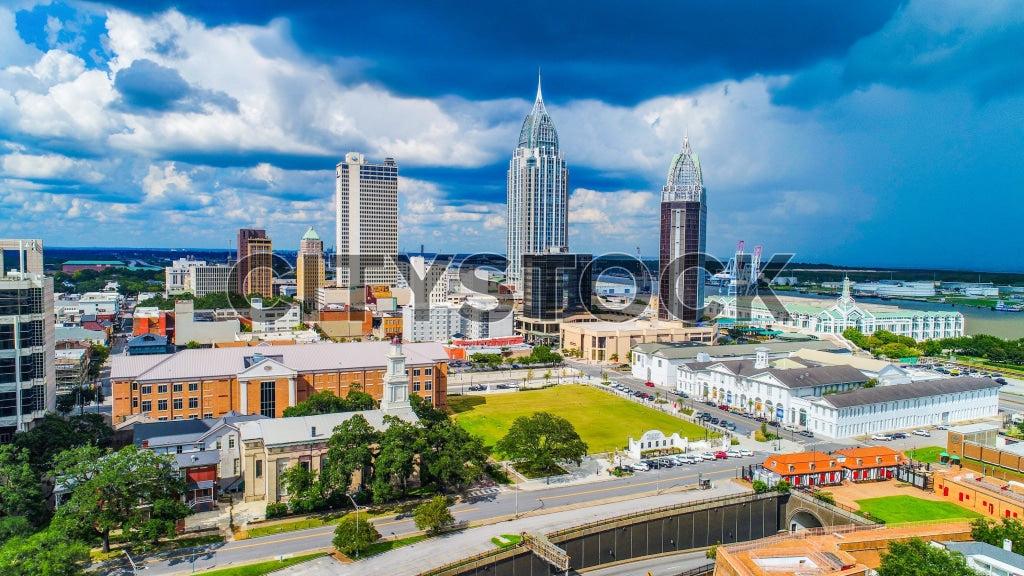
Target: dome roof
[
  {"x": 685, "y": 181},
  {"x": 310, "y": 234},
  {"x": 538, "y": 130}
]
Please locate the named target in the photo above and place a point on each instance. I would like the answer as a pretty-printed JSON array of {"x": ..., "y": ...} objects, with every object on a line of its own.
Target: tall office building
[
  {"x": 261, "y": 267},
  {"x": 309, "y": 268},
  {"x": 556, "y": 287},
  {"x": 28, "y": 376},
  {"x": 243, "y": 265},
  {"x": 684, "y": 216},
  {"x": 538, "y": 188},
  {"x": 366, "y": 200}
]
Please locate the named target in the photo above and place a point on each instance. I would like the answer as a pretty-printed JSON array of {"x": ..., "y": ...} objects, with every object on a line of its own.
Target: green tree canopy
[
  {"x": 354, "y": 534},
  {"x": 55, "y": 434},
  {"x": 916, "y": 557},
  {"x": 21, "y": 487},
  {"x": 434, "y": 515},
  {"x": 46, "y": 553},
  {"x": 349, "y": 450},
  {"x": 992, "y": 532},
  {"x": 394, "y": 463},
  {"x": 325, "y": 402},
  {"x": 135, "y": 490},
  {"x": 541, "y": 442}
]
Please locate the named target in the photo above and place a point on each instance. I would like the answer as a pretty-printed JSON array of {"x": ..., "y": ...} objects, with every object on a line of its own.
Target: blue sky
[{"x": 875, "y": 133}]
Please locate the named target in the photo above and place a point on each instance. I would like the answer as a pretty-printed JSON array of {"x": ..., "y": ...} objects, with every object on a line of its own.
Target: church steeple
[{"x": 396, "y": 381}]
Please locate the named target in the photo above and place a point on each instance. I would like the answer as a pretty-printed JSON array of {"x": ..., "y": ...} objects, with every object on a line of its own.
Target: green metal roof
[{"x": 310, "y": 234}]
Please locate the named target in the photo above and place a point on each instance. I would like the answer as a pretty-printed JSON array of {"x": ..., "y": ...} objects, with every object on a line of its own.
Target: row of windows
[{"x": 162, "y": 388}]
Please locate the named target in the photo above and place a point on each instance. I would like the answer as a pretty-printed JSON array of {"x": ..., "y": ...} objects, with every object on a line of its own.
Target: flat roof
[{"x": 205, "y": 363}]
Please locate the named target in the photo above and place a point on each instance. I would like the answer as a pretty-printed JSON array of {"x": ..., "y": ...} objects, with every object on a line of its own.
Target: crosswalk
[{"x": 483, "y": 492}]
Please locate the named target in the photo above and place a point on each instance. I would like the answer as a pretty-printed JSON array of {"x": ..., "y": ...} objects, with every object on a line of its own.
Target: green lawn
[
  {"x": 894, "y": 509},
  {"x": 925, "y": 453},
  {"x": 261, "y": 568},
  {"x": 603, "y": 420},
  {"x": 385, "y": 545}
]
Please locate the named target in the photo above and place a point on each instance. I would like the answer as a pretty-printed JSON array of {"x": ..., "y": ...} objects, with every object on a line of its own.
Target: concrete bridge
[{"x": 802, "y": 511}]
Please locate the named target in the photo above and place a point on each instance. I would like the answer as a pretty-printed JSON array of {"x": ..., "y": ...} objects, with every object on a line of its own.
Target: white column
[
  {"x": 291, "y": 392},
  {"x": 243, "y": 396}
]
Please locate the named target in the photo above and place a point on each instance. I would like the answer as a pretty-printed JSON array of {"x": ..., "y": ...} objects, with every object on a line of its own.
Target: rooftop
[
  {"x": 909, "y": 391},
  {"x": 688, "y": 351},
  {"x": 225, "y": 362},
  {"x": 797, "y": 377},
  {"x": 984, "y": 549},
  {"x": 305, "y": 429}
]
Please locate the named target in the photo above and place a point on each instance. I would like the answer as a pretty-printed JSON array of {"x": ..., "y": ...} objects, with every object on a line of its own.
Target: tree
[
  {"x": 712, "y": 551},
  {"x": 136, "y": 490},
  {"x": 325, "y": 402},
  {"x": 984, "y": 530},
  {"x": 21, "y": 488},
  {"x": 54, "y": 434},
  {"x": 46, "y": 553},
  {"x": 192, "y": 345},
  {"x": 782, "y": 487},
  {"x": 916, "y": 557},
  {"x": 354, "y": 534},
  {"x": 305, "y": 490},
  {"x": 394, "y": 463},
  {"x": 349, "y": 450},
  {"x": 450, "y": 457},
  {"x": 541, "y": 442},
  {"x": 433, "y": 516}
]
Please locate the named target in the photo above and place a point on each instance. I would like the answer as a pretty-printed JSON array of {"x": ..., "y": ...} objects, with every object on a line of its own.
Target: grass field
[
  {"x": 894, "y": 509},
  {"x": 925, "y": 453},
  {"x": 603, "y": 420},
  {"x": 261, "y": 568}
]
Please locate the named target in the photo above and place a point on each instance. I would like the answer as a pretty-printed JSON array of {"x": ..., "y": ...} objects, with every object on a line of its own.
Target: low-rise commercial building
[
  {"x": 443, "y": 322},
  {"x": 208, "y": 383},
  {"x": 801, "y": 469},
  {"x": 868, "y": 463},
  {"x": 72, "y": 367},
  {"x": 612, "y": 341}
]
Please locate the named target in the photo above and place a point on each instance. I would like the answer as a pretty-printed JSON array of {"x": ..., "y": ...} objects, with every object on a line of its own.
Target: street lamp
[{"x": 356, "y": 506}]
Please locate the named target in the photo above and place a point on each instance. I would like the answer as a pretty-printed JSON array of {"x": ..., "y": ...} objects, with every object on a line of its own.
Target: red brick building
[{"x": 207, "y": 383}]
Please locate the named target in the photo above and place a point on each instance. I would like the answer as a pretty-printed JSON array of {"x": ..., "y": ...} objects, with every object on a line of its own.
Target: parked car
[
  {"x": 733, "y": 453},
  {"x": 942, "y": 427},
  {"x": 883, "y": 437},
  {"x": 731, "y": 426},
  {"x": 708, "y": 456},
  {"x": 789, "y": 428},
  {"x": 641, "y": 466},
  {"x": 721, "y": 455},
  {"x": 774, "y": 423},
  {"x": 714, "y": 420},
  {"x": 649, "y": 384},
  {"x": 898, "y": 435},
  {"x": 1000, "y": 379},
  {"x": 807, "y": 433},
  {"x": 745, "y": 452},
  {"x": 921, "y": 433},
  {"x": 723, "y": 407},
  {"x": 683, "y": 395},
  {"x": 502, "y": 386}
]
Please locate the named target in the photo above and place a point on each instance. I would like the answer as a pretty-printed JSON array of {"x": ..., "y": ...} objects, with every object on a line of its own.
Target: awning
[
  {"x": 943, "y": 454},
  {"x": 201, "y": 485}
]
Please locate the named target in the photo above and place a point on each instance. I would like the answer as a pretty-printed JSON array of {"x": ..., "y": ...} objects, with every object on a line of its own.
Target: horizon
[{"x": 878, "y": 134}]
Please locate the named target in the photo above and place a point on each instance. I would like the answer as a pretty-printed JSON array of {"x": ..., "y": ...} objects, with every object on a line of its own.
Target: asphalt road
[{"x": 503, "y": 504}]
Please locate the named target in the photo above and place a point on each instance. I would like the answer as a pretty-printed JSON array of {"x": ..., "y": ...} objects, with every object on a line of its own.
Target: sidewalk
[{"x": 435, "y": 552}]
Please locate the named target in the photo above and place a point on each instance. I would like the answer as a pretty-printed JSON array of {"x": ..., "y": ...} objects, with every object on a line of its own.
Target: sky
[{"x": 857, "y": 133}]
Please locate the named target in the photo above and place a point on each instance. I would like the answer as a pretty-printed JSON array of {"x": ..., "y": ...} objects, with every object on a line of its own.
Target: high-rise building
[
  {"x": 538, "y": 188},
  {"x": 243, "y": 265},
  {"x": 556, "y": 287},
  {"x": 366, "y": 200},
  {"x": 684, "y": 216},
  {"x": 211, "y": 279},
  {"x": 309, "y": 268},
  {"x": 28, "y": 375},
  {"x": 260, "y": 279}
]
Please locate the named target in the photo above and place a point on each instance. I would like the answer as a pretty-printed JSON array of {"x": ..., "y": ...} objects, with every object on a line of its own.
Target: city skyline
[{"x": 856, "y": 135}]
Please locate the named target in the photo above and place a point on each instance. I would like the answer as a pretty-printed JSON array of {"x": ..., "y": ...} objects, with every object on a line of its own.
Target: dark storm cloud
[
  {"x": 618, "y": 52},
  {"x": 149, "y": 87}
]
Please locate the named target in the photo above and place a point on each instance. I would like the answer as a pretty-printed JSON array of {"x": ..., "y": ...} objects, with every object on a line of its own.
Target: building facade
[
  {"x": 683, "y": 238},
  {"x": 309, "y": 268},
  {"x": 260, "y": 273},
  {"x": 443, "y": 322},
  {"x": 537, "y": 193},
  {"x": 612, "y": 341},
  {"x": 177, "y": 276},
  {"x": 242, "y": 265},
  {"x": 366, "y": 203},
  {"x": 28, "y": 378},
  {"x": 555, "y": 287},
  {"x": 845, "y": 313},
  {"x": 208, "y": 383},
  {"x": 210, "y": 279}
]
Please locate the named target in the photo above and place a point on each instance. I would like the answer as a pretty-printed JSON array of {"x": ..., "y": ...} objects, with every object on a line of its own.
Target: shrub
[
  {"x": 825, "y": 496},
  {"x": 276, "y": 510},
  {"x": 353, "y": 535},
  {"x": 782, "y": 487},
  {"x": 759, "y": 436},
  {"x": 760, "y": 486},
  {"x": 734, "y": 442}
]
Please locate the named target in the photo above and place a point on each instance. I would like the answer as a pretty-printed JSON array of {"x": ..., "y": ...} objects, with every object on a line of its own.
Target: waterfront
[{"x": 977, "y": 320}]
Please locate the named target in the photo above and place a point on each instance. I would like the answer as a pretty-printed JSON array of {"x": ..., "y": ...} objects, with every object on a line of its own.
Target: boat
[{"x": 1004, "y": 307}]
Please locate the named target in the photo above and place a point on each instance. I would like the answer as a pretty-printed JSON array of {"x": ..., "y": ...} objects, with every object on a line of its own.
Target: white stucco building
[
  {"x": 441, "y": 322},
  {"x": 844, "y": 313}
]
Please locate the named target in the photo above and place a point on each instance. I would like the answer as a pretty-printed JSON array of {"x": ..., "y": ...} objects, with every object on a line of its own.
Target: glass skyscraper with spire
[
  {"x": 538, "y": 187},
  {"x": 684, "y": 216}
]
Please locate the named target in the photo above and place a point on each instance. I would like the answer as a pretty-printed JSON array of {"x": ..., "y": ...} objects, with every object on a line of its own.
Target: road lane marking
[{"x": 664, "y": 480}]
